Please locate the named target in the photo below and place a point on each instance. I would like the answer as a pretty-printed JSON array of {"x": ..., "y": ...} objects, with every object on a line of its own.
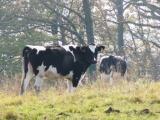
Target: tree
[
  {"x": 89, "y": 32},
  {"x": 120, "y": 28}
]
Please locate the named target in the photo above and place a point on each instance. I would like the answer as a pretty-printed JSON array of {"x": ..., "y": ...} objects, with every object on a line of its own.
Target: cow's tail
[{"x": 25, "y": 62}]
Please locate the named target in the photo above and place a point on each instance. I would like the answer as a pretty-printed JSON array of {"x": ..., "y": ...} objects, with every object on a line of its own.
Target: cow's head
[
  {"x": 87, "y": 54},
  {"x": 98, "y": 49}
]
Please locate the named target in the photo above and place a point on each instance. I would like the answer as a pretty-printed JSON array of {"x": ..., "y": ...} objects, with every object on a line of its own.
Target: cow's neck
[{"x": 81, "y": 67}]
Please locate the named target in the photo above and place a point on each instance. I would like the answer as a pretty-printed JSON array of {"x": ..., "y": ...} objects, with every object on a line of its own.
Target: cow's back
[{"x": 55, "y": 57}]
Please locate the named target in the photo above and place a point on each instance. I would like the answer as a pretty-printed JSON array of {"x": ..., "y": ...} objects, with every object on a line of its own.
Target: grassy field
[{"x": 125, "y": 101}]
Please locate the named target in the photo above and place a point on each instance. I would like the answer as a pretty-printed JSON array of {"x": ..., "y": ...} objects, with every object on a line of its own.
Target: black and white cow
[
  {"x": 110, "y": 64},
  {"x": 66, "y": 61}
]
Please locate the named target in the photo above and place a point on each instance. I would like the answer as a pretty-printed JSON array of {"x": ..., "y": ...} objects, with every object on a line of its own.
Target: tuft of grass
[
  {"x": 136, "y": 100},
  {"x": 11, "y": 116}
]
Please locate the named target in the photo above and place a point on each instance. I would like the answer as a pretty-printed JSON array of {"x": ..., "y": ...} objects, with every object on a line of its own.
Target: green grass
[{"x": 128, "y": 101}]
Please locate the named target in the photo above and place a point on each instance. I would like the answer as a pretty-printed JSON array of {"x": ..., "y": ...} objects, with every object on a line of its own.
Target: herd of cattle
[{"x": 66, "y": 61}]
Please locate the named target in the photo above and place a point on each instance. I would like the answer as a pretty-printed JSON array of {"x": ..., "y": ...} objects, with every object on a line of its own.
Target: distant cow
[
  {"x": 66, "y": 61},
  {"x": 110, "y": 64}
]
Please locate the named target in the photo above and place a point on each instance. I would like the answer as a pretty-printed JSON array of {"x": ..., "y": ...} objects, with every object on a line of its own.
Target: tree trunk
[
  {"x": 120, "y": 28},
  {"x": 62, "y": 32},
  {"x": 89, "y": 32},
  {"x": 88, "y": 21}
]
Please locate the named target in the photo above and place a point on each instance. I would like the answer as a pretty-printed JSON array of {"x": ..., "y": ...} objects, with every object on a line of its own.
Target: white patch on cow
[
  {"x": 103, "y": 58},
  {"x": 60, "y": 43},
  {"x": 39, "y": 77},
  {"x": 120, "y": 57},
  {"x": 52, "y": 73},
  {"x": 38, "y": 48},
  {"x": 92, "y": 48},
  {"x": 52, "y": 69},
  {"x": 70, "y": 75},
  {"x": 41, "y": 68},
  {"x": 66, "y": 47}
]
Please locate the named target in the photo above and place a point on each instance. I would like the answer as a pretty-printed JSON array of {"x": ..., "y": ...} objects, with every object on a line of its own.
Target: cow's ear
[
  {"x": 75, "y": 50},
  {"x": 100, "y": 48},
  {"x": 83, "y": 49},
  {"x": 72, "y": 48}
]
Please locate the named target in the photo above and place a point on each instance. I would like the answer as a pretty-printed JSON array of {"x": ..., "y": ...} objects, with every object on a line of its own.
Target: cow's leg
[
  {"x": 126, "y": 76},
  {"x": 82, "y": 78},
  {"x": 70, "y": 86},
  {"x": 111, "y": 78},
  {"x": 26, "y": 78},
  {"x": 38, "y": 83},
  {"x": 39, "y": 78},
  {"x": 73, "y": 84}
]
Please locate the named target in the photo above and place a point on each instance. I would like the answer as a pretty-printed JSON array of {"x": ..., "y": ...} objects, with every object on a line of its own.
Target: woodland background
[{"x": 126, "y": 27}]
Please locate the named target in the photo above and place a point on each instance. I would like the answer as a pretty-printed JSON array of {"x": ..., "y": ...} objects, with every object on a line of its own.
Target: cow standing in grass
[
  {"x": 111, "y": 64},
  {"x": 66, "y": 61}
]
